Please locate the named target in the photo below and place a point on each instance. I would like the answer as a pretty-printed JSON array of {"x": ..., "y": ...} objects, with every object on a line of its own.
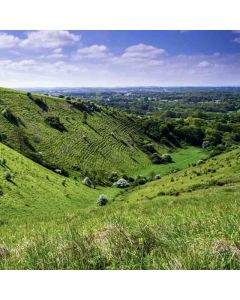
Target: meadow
[{"x": 187, "y": 219}]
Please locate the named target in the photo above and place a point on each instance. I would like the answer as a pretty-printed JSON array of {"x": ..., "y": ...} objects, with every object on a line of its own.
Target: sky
[{"x": 119, "y": 58}]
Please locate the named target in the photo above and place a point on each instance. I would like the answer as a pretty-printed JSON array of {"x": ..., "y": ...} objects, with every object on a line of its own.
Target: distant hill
[{"x": 74, "y": 136}]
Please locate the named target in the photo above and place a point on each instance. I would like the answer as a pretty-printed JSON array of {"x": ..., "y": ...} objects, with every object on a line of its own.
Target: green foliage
[
  {"x": 156, "y": 158},
  {"x": 8, "y": 176},
  {"x": 99, "y": 150},
  {"x": 186, "y": 220},
  {"x": 3, "y": 162},
  {"x": 54, "y": 122},
  {"x": 102, "y": 200},
  {"x": 7, "y": 113},
  {"x": 166, "y": 158}
]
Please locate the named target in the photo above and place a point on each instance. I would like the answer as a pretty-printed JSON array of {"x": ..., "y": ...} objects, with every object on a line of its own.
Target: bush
[
  {"x": 156, "y": 159},
  {"x": 140, "y": 180},
  {"x": 7, "y": 113},
  {"x": 166, "y": 158},
  {"x": 149, "y": 148},
  {"x": 200, "y": 162},
  {"x": 30, "y": 96},
  {"x": 3, "y": 137},
  {"x": 113, "y": 176},
  {"x": 121, "y": 183},
  {"x": 41, "y": 104},
  {"x": 87, "y": 181},
  {"x": 102, "y": 200},
  {"x": 8, "y": 176},
  {"x": 55, "y": 123},
  {"x": 3, "y": 162}
]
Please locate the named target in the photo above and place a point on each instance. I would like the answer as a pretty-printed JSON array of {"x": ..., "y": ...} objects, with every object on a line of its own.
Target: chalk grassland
[
  {"x": 101, "y": 139},
  {"x": 186, "y": 220}
]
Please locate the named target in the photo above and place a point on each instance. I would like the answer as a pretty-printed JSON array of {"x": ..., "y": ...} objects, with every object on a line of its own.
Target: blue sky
[{"x": 119, "y": 58}]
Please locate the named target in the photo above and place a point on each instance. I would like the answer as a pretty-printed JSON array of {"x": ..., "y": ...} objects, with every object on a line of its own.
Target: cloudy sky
[{"x": 119, "y": 58}]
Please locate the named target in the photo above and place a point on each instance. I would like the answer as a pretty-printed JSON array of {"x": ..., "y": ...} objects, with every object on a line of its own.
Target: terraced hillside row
[
  {"x": 28, "y": 190},
  {"x": 69, "y": 136}
]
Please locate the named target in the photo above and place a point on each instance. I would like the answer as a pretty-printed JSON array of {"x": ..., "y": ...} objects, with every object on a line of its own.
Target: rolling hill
[
  {"x": 72, "y": 135},
  {"x": 187, "y": 219}
]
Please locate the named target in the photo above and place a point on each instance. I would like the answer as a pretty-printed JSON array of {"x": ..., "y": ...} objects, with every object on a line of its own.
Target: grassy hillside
[
  {"x": 182, "y": 221},
  {"x": 188, "y": 219},
  {"x": 36, "y": 193},
  {"x": 85, "y": 137}
]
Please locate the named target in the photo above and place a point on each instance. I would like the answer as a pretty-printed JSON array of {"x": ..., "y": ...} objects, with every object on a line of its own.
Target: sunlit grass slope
[
  {"x": 100, "y": 140},
  {"x": 186, "y": 220},
  {"x": 36, "y": 193}
]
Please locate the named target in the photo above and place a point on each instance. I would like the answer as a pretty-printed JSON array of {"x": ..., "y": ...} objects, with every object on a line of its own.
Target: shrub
[
  {"x": 206, "y": 144},
  {"x": 87, "y": 181},
  {"x": 121, "y": 183},
  {"x": 113, "y": 176},
  {"x": 3, "y": 162},
  {"x": 140, "y": 180},
  {"x": 102, "y": 200},
  {"x": 3, "y": 137},
  {"x": 30, "y": 96},
  {"x": 7, "y": 113},
  {"x": 166, "y": 158},
  {"x": 149, "y": 148},
  {"x": 41, "y": 104},
  {"x": 8, "y": 176},
  {"x": 156, "y": 159},
  {"x": 55, "y": 123},
  {"x": 85, "y": 117}
]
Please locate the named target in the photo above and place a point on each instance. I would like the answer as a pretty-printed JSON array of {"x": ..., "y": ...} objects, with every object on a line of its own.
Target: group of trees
[{"x": 219, "y": 130}]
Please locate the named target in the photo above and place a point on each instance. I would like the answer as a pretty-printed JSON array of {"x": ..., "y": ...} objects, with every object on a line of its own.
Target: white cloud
[
  {"x": 237, "y": 40},
  {"x": 57, "y": 51},
  {"x": 49, "y": 39},
  {"x": 8, "y": 40},
  {"x": 204, "y": 64},
  {"x": 96, "y": 65},
  {"x": 142, "y": 51},
  {"x": 39, "y": 39},
  {"x": 94, "y": 51}
]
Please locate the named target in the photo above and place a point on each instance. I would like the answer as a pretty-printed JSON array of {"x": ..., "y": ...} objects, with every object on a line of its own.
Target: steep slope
[
  {"x": 29, "y": 190},
  {"x": 222, "y": 170},
  {"x": 69, "y": 135},
  {"x": 186, "y": 220}
]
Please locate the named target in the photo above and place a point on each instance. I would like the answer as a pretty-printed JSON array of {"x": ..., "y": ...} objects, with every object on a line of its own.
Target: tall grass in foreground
[{"x": 189, "y": 241}]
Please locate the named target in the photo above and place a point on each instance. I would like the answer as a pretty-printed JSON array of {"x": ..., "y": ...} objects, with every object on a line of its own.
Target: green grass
[
  {"x": 107, "y": 141},
  {"x": 181, "y": 159},
  {"x": 186, "y": 220},
  {"x": 149, "y": 227},
  {"x": 38, "y": 193}
]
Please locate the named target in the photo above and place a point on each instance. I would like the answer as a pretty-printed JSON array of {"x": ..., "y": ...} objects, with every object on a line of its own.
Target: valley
[{"x": 180, "y": 209}]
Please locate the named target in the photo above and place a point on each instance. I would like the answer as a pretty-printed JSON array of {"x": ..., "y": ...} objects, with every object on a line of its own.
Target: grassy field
[
  {"x": 182, "y": 221},
  {"x": 188, "y": 219},
  {"x": 100, "y": 140},
  {"x": 181, "y": 159}
]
